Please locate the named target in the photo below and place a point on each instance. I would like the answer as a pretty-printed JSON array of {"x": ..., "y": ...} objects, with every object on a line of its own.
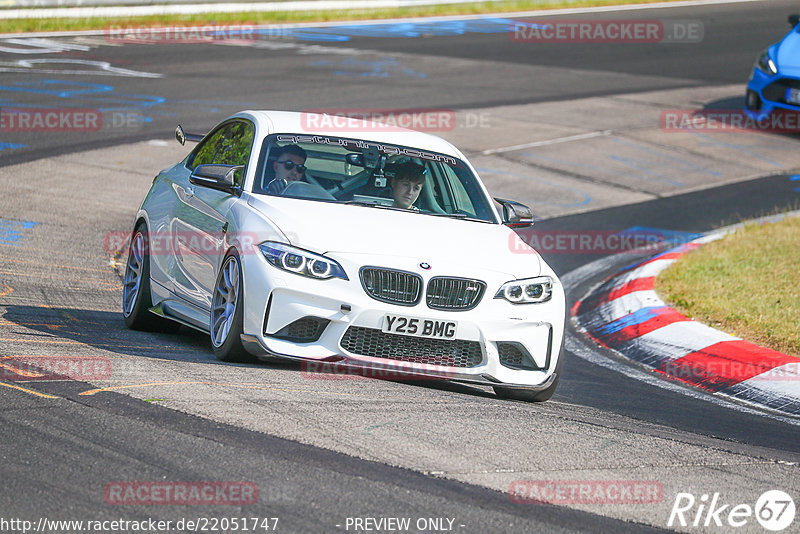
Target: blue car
[{"x": 774, "y": 84}]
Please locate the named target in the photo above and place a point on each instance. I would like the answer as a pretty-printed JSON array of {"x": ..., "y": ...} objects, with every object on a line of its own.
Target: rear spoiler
[{"x": 182, "y": 136}]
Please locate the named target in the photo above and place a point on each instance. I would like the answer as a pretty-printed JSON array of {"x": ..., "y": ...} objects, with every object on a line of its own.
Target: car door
[{"x": 201, "y": 223}]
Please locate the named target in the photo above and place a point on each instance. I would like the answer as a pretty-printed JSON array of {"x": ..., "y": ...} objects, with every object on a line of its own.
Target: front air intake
[
  {"x": 305, "y": 330},
  {"x": 514, "y": 356}
]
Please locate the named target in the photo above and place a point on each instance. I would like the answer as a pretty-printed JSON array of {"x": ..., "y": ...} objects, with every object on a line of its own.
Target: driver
[
  {"x": 289, "y": 166},
  {"x": 407, "y": 180}
]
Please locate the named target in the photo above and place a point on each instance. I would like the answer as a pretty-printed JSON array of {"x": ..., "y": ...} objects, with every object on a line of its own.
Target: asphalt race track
[{"x": 575, "y": 130}]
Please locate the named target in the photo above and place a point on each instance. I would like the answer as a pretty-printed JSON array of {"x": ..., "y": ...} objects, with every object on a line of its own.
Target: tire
[
  {"x": 136, "y": 298},
  {"x": 227, "y": 313},
  {"x": 529, "y": 395}
]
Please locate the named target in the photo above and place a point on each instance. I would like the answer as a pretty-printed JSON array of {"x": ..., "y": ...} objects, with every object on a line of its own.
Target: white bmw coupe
[{"x": 368, "y": 246}]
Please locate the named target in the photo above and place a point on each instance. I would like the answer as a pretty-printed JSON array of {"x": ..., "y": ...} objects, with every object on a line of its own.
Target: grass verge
[
  {"x": 746, "y": 284},
  {"x": 280, "y": 17}
]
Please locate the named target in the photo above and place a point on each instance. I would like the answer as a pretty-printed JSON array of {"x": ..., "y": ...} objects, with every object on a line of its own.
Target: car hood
[
  {"x": 787, "y": 54},
  {"x": 338, "y": 229}
]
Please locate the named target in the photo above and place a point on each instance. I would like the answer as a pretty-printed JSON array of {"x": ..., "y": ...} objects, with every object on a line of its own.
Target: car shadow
[
  {"x": 788, "y": 127},
  {"x": 732, "y": 103},
  {"x": 107, "y": 331}
]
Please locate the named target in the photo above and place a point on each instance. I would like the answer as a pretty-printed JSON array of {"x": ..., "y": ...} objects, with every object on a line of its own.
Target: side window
[
  {"x": 230, "y": 145},
  {"x": 207, "y": 151}
]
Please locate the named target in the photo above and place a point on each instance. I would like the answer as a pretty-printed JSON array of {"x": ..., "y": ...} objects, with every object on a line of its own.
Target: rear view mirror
[
  {"x": 372, "y": 158},
  {"x": 794, "y": 19},
  {"x": 355, "y": 159}
]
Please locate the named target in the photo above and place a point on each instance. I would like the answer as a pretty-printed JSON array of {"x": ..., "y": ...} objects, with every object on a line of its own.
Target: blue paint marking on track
[
  {"x": 740, "y": 148},
  {"x": 795, "y": 178},
  {"x": 643, "y": 167},
  {"x": 105, "y": 99},
  {"x": 50, "y": 87},
  {"x": 595, "y": 167},
  {"x": 380, "y": 69},
  {"x": 11, "y": 232},
  {"x": 400, "y": 30},
  {"x": 4, "y": 146},
  {"x": 638, "y": 317},
  {"x": 675, "y": 237},
  {"x": 661, "y": 154},
  {"x": 137, "y": 101}
]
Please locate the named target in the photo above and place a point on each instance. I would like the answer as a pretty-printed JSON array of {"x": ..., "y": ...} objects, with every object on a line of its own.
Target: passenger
[
  {"x": 407, "y": 180},
  {"x": 289, "y": 166}
]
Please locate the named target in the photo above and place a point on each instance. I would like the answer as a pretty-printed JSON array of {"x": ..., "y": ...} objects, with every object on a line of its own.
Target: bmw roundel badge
[{"x": 425, "y": 266}]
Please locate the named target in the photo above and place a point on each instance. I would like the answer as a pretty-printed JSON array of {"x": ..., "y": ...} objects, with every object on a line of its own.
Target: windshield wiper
[
  {"x": 372, "y": 205},
  {"x": 455, "y": 215},
  {"x": 462, "y": 216}
]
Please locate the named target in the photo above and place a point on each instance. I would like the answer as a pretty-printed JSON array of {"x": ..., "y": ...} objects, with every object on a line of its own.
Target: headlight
[
  {"x": 766, "y": 64},
  {"x": 527, "y": 291},
  {"x": 301, "y": 261}
]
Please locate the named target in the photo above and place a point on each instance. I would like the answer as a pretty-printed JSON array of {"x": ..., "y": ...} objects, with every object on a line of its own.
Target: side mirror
[
  {"x": 794, "y": 19},
  {"x": 516, "y": 215},
  {"x": 182, "y": 136},
  {"x": 220, "y": 177}
]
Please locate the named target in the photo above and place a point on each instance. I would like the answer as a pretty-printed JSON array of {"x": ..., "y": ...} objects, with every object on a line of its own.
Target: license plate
[
  {"x": 793, "y": 97},
  {"x": 419, "y": 327}
]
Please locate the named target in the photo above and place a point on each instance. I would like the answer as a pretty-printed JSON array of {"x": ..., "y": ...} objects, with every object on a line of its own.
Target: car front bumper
[
  {"x": 352, "y": 331},
  {"x": 767, "y": 93}
]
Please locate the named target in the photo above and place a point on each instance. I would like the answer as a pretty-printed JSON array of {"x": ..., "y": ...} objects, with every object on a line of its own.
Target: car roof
[{"x": 293, "y": 122}]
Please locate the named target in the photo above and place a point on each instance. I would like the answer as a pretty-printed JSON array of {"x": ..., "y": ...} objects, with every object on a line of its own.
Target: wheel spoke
[
  {"x": 226, "y": 278},
  {"x": 234, "y": 277},
  {"x": 218, "y": 324},
  {"x": 133, "y": 274},
  {"x": 223, "y": 305},
  {"x": 225, "y": 328},
  {"x": 137, "y": 248}
]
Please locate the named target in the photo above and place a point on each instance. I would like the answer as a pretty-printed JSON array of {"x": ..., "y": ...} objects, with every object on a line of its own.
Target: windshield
[{"x": 383, "y": 176}]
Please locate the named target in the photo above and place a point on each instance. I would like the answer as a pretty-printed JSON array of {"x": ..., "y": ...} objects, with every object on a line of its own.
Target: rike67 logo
[{"x": 774, "y": 510}]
